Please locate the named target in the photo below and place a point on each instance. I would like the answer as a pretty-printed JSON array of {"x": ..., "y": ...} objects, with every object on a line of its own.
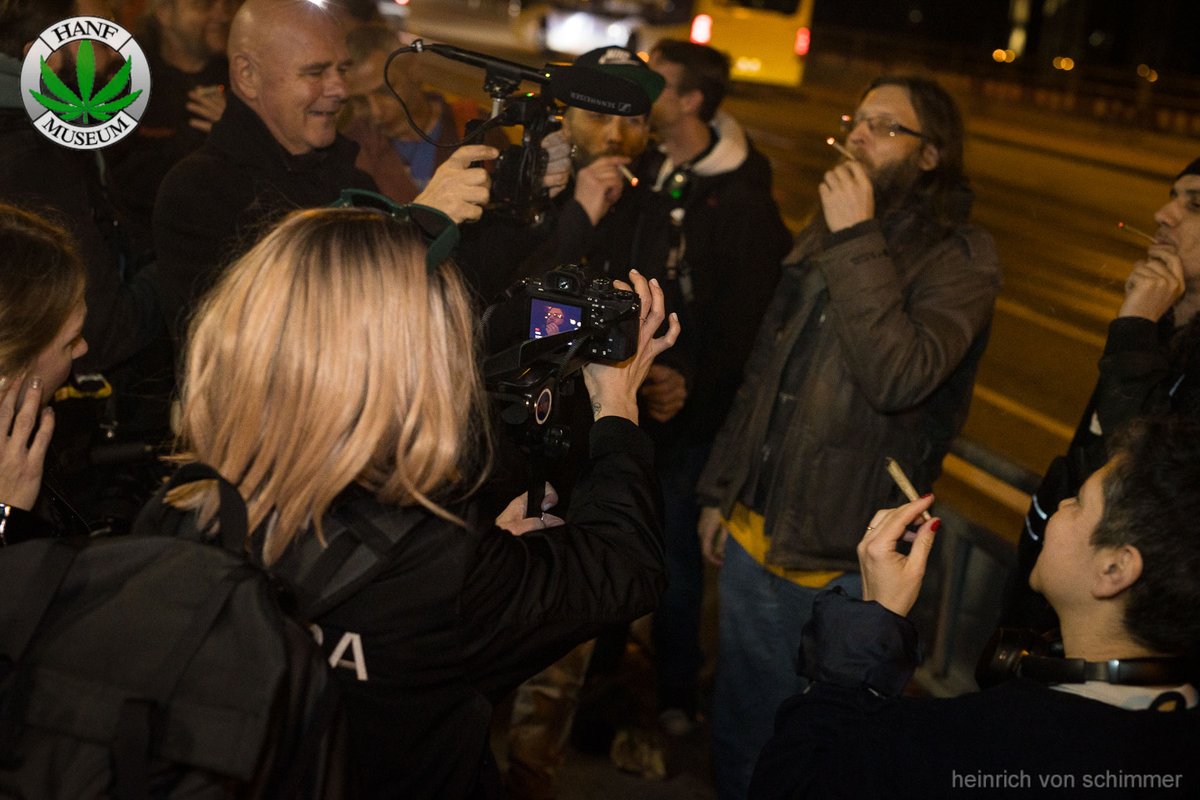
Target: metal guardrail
[{"x": 975, "y": 566}]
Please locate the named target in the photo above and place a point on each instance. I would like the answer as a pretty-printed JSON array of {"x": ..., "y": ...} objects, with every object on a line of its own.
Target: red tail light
[
  {"x": 803, "y": 40},
  {"x": 702, "y": 29}
]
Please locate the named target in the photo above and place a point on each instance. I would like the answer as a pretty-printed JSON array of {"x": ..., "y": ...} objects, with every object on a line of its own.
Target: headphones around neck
[{"x": 1021, "y": 653}]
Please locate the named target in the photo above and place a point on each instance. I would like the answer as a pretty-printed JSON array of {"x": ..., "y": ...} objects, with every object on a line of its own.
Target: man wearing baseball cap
[{"x": 1150, "y": 365}]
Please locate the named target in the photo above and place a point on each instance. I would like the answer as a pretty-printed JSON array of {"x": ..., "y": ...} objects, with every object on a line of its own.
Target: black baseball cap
[{"x": 621, "y": 62}]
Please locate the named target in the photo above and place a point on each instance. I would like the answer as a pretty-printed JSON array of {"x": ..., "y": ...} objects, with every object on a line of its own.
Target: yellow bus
[{"x": 767, "y": 40}]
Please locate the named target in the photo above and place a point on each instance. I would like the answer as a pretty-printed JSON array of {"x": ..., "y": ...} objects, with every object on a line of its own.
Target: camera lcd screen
[{"x": 548, "y": 318}]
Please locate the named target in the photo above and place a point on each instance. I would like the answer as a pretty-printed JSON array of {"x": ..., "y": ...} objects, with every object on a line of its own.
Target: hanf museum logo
[{"x": 85, "y": 83}]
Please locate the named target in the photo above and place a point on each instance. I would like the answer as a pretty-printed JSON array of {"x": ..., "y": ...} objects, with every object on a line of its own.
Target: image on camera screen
[{"x": 547, "y": 318}]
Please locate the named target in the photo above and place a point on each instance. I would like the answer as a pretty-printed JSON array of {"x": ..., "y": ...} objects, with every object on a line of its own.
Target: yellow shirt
[{"x": 747, "y": 529}]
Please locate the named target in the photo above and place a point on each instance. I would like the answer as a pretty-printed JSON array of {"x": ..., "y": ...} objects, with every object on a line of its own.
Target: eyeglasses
[
  {"x": 878, "y": 126},
  {"x": 439, "y": 231}
]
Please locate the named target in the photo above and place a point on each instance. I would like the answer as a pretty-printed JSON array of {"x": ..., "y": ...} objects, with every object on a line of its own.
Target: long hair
[
  {"x": 942, "y": 124},
  {"x": 328, "y": 356},
  {"x": 41, "y": 282}
]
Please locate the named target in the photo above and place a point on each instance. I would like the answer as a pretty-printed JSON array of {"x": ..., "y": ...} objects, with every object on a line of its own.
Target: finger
[
  {"x": 549, "y": 497},
  {"x": 922, "y": 545},
  {"x": 200, "y": 124},
  {"x": 667, "y": 340},
  {"x": 894, "y": 523},
  {"x": 472, "y": 152},
  {"x": 552, "y": 521},
  {"x": 31, "y": 403},
  {"x": 41, "y": 440},
  {"x": 8, "y": 391}
]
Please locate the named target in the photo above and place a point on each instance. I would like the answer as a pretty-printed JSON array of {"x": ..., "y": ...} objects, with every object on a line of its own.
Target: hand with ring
[{"x": 889, "y": 577}]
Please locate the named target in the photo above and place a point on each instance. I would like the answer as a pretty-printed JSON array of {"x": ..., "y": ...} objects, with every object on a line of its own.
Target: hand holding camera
[
  {"x": 613, "y": 389},
  {"x": 457, "y": 189}
]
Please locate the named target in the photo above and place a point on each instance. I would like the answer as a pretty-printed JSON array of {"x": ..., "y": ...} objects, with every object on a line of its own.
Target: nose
[
  {"x": 335, "y": 85},
  {"x": 80, "y": 349},
  {"x": 859, "y": 131},
  {"x": 1168, "y": 215}
]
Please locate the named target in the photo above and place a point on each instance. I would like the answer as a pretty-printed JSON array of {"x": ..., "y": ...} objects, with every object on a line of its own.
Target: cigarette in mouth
[
  {"x": 1135, "y": 231},
  {"x": 836, "y": 145},
  {"x": 905, "y": 485},
  {"x": 629, "y": 176}
]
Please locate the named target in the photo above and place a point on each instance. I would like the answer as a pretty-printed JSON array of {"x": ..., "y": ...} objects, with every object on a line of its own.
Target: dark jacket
[
  {"x": 716, "y": 250},
  {"x": 162, "y": 138},
  {"x": 1147, "y": 368},
  {"x": 873, "y": 337},
  {"x": 218, "y": 201},
  {"x": 66, "y": 186},
  {"x": 458, "y": 617},
  {"x": 723, "y": 243},
  {"x": 852, "y": 735}
]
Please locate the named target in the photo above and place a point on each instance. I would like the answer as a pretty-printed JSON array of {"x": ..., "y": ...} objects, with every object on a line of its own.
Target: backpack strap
[
  {"x": 231, "y": 515},
  {"x": 358, "y": 545}
]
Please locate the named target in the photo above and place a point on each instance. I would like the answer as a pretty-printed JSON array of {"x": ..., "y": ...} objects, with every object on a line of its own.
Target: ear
[
  {"x": 244, "y": 76},
  {"x": 1117, "y": 568},
  {"x": 930, "y": 157},
  {"x": 692, "y": 101}
]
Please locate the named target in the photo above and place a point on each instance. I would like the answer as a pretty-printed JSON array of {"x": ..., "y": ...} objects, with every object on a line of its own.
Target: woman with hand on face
[
  {"x": 41, "y": 323},
  {"x": 320, "y": 380}
]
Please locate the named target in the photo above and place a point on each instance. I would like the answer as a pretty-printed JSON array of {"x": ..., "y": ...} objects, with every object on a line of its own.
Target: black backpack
[{"x": 158, "y": 666}]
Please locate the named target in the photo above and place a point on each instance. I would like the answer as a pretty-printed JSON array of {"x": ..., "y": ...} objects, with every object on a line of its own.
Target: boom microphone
[
  {"x": 503, "y": 67},
  {"x": 581, "y": 87}
]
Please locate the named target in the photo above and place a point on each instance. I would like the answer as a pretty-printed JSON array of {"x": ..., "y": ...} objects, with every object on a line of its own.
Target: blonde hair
[{"x": 327, "y": 356}]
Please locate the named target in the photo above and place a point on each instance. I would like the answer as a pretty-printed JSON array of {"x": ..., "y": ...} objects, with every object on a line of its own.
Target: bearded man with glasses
[{"x": 868, "y": 350}]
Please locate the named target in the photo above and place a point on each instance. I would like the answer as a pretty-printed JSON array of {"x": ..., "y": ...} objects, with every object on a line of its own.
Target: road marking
[
  {"x": 989, "y": 485},
  {"x": 1067, "y": 329},
  {"x": 1024, "y": 412}
]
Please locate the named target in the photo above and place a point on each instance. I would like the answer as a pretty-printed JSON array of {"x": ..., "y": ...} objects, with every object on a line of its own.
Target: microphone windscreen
[{"x": 593, "y": 90}]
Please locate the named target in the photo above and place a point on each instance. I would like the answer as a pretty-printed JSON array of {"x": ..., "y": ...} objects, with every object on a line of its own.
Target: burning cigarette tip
[
  {"x": 629, "y": 176},
  {"x": 836, "y": 145},
  {"x": 1125, "y": 227}
]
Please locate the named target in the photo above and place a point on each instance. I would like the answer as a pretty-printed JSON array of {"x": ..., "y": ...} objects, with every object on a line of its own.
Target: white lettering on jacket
[{"x": 349, "y": 641}]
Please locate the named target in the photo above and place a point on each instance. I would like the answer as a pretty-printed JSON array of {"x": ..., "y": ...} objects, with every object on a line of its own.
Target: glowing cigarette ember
[
  {"x": 629, "y": 176},
  {"x": 836, "y": 145},
  {"x": 1135, "y": 231}
]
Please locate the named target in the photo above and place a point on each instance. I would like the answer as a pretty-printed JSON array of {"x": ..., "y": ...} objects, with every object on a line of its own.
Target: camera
[
  {"x": 565, "y": 301},
  {"x": 517, "y": 191},
  {"x": 545, "y": 330}
]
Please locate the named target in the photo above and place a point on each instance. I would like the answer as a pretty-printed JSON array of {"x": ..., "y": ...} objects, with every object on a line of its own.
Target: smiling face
[{"x": 294, "y": 77}]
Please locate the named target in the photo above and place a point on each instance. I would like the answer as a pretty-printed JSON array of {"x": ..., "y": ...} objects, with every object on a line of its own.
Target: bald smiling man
[{"x": 274, "y": 150}]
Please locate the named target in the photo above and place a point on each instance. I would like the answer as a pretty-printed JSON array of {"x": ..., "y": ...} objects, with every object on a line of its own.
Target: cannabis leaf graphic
[{"x": 101, "y": 106}]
